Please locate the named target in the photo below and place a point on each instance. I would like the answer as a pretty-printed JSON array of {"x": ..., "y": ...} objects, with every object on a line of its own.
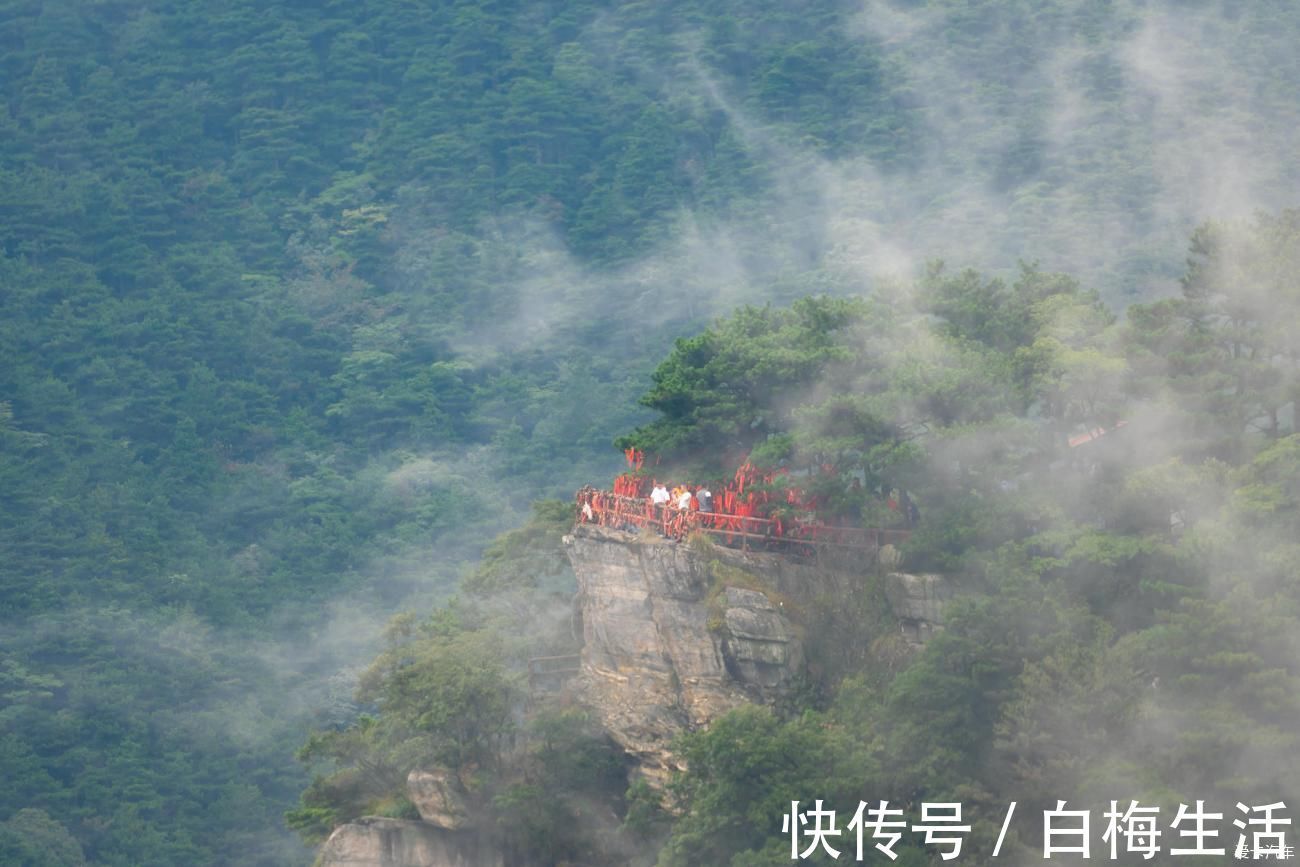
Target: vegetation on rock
[{"x": 301, "y": 305}]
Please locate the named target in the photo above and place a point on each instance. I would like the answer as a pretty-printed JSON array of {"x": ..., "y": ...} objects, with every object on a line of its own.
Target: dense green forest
[
  {"x": 302, "y": 304},
  {"x": 1128, "y": 609}
]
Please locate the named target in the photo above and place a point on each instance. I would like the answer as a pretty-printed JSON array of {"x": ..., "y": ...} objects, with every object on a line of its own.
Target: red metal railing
[{"x": 608, "y": 509}]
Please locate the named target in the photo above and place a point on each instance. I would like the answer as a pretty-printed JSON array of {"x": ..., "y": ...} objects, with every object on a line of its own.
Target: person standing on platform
[{"x": 658, "y": 497}]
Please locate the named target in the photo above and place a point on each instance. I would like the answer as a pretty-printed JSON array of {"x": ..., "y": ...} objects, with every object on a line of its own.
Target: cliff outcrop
[
  {"x": 377, "y": 842},
  {"x": 443, "y": 836},
  {"x": 677, "y": 634},
  {"x": 917, "y": 602}
]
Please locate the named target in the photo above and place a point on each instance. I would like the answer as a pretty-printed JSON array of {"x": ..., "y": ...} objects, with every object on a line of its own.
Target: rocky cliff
[
  {"x": 917, "y": 603},
  {"x": 442, "y": 837},
  {"x": 676, "y": 634},
  {"x": 378, "y": 842}
]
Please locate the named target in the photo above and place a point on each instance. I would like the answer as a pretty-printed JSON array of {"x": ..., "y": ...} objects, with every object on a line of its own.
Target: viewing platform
[{"x": 633, "y": 514}]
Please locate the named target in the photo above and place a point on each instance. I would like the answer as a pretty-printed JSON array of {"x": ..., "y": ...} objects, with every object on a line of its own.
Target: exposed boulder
[
  {"x": 759, "y": 646},
  {"x": 439, "y": 796},
  {"x": 918, "y": 601},
  {"x": 377, "y": 842}
]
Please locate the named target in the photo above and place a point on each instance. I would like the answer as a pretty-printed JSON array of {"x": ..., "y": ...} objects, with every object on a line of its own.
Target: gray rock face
[
  {"x": 378, "y": 842},
  {"x": 660, "y": 656},
  {"x": 760, "y": 647},
  {"x": 917, "y": 602},
  {"x": 670, "y": 644},
  {"x": 439, "y": 796}
]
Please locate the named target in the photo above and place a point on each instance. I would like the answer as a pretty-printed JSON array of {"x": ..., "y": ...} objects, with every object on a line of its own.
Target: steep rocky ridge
[{"x": 676, "y": 634}]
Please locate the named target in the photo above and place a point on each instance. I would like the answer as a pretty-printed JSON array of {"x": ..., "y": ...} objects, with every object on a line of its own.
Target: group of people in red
[
  {"x": 752, "y": 506},
  {"x": 740, "y": 506}
]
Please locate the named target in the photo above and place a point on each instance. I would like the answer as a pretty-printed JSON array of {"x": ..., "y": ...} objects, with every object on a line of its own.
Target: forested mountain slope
[
  {"x": 301, "y": 303},
  {"x": 1110, "y": 506}
]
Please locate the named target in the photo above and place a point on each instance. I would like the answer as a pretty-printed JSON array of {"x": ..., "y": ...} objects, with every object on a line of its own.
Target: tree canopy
[{"x": 301, "y": 305}]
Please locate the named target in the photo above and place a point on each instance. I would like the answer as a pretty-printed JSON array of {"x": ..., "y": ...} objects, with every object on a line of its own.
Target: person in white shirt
[
  {"x": 684, "y": 499},
  {"x": 659, "y": 495}
]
